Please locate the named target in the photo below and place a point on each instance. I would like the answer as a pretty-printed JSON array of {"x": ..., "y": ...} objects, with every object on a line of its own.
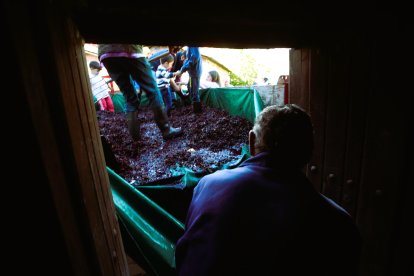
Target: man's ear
[{"x": 252, "y": 142}]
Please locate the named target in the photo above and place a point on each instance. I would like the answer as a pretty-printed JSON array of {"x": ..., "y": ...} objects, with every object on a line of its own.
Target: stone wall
[{"x": 271, "y": 94}]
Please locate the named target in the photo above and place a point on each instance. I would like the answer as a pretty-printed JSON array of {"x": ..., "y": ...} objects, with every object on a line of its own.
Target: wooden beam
[{"x": 60, "y": 102}]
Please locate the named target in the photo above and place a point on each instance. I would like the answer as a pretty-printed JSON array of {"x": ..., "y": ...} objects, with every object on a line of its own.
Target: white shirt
[
  {"x": 208, "y": 84},
  {"x": 100, "y": 88}
]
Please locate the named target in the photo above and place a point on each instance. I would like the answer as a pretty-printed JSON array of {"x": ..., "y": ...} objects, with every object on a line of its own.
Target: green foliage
[
  {"x": 236, "y": 81},
  {"x": 247, "y": 70}
]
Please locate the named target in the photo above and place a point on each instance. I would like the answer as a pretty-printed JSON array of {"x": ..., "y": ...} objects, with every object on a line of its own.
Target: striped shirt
[
  {"x": 163, "y": 76},
  {"x": 100, "y": 88}
]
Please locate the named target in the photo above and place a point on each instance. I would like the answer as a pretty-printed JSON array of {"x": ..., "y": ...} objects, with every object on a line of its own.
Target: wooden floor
[{"x": 134, "y": 268}]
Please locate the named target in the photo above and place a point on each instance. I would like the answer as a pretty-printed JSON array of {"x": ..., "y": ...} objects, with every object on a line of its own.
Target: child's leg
[
  {"x": 173, "y": 95},
  {"x": 101, "y": 104},
  {"x": 109, "y": 104},
  {"x": 166, "y": 96}
]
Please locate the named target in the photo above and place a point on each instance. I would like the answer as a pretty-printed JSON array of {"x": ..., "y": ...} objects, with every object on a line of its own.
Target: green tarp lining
[
  {"x": 242, "y": 102},
  {"x": 152, "y": 231},
  {"x": 119, "y": 102},
  {"x": 151, "y": 216}
]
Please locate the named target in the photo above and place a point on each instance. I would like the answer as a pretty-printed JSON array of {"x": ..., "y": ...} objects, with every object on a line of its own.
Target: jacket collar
[{"x": 266, "y": 159}]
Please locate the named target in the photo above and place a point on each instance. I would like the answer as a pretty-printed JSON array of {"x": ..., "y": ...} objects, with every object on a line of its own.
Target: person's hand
[{"x": 178, "y": 73}]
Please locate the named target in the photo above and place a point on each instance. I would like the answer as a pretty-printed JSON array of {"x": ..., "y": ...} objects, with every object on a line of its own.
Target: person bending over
[{"x": 126, "y": 61}]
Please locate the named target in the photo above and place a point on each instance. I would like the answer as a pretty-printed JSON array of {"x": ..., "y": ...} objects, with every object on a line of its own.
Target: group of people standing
[
  {"x": 168, "y": 70},
  {"x": 128, "y": 65},
  {"x": 127, "y": 61},
  {"x": 262, "y": 218}
]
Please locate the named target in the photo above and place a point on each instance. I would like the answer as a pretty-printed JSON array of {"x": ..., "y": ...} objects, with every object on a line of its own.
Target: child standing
[
  {"x": 100, "y": 89},
  {"x": 163, "y": 76}
]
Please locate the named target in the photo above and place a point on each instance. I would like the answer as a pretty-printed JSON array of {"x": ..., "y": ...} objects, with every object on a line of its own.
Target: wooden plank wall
[
  {"x": 99, "y": 211},
  {"x": 357, "y": 102},
  {"x": 335, "y": 125},
  {"x": 30, "y": 63},
  {"x": 299, "y": 77},
  {"x": 317, "y": 108},
  {"x": 359, "y": 141},
  {"x": 56, "y": 85},
  {"x": 384, "y": 162},
  {"x": 337, "y": 101}
]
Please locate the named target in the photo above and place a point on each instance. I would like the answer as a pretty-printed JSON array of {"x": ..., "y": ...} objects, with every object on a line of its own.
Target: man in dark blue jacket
[
  {"x": 194, "y": 65},
  {"x": 265, "y": 217}
]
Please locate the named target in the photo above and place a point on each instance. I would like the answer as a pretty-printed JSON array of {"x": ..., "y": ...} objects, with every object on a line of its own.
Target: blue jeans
[
  {"x": 121, "y": 69},
  {"x": 166, "y": 96},
  {"x": 172, "y": 93},
  {"x": 194, "y": 85}
]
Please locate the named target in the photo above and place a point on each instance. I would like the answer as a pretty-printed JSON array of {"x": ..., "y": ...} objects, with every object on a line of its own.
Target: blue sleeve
[{"x": 193, "y": 57}]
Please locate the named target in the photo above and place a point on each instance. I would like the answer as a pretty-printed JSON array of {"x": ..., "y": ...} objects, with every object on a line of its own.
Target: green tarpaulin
[
  {"x": 241, "y": 102},
  {"x": 149, "y": 232},
  {"x": 119, "y": 102},
  {"x": 151, "y": 216}
]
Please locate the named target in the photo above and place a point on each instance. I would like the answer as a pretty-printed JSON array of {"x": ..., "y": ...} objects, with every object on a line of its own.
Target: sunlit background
[{"x": 250, "y": 66}]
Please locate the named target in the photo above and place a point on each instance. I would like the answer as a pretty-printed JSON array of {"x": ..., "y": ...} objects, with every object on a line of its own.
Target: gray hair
[{"x": 285, "y": 131}]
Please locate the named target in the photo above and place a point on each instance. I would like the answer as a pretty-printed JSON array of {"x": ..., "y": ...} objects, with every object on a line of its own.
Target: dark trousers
[
  {"x": 122, "y": 69},
  {"x": 194, "y": 85},
  {"x": 166, "y": 97}
]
